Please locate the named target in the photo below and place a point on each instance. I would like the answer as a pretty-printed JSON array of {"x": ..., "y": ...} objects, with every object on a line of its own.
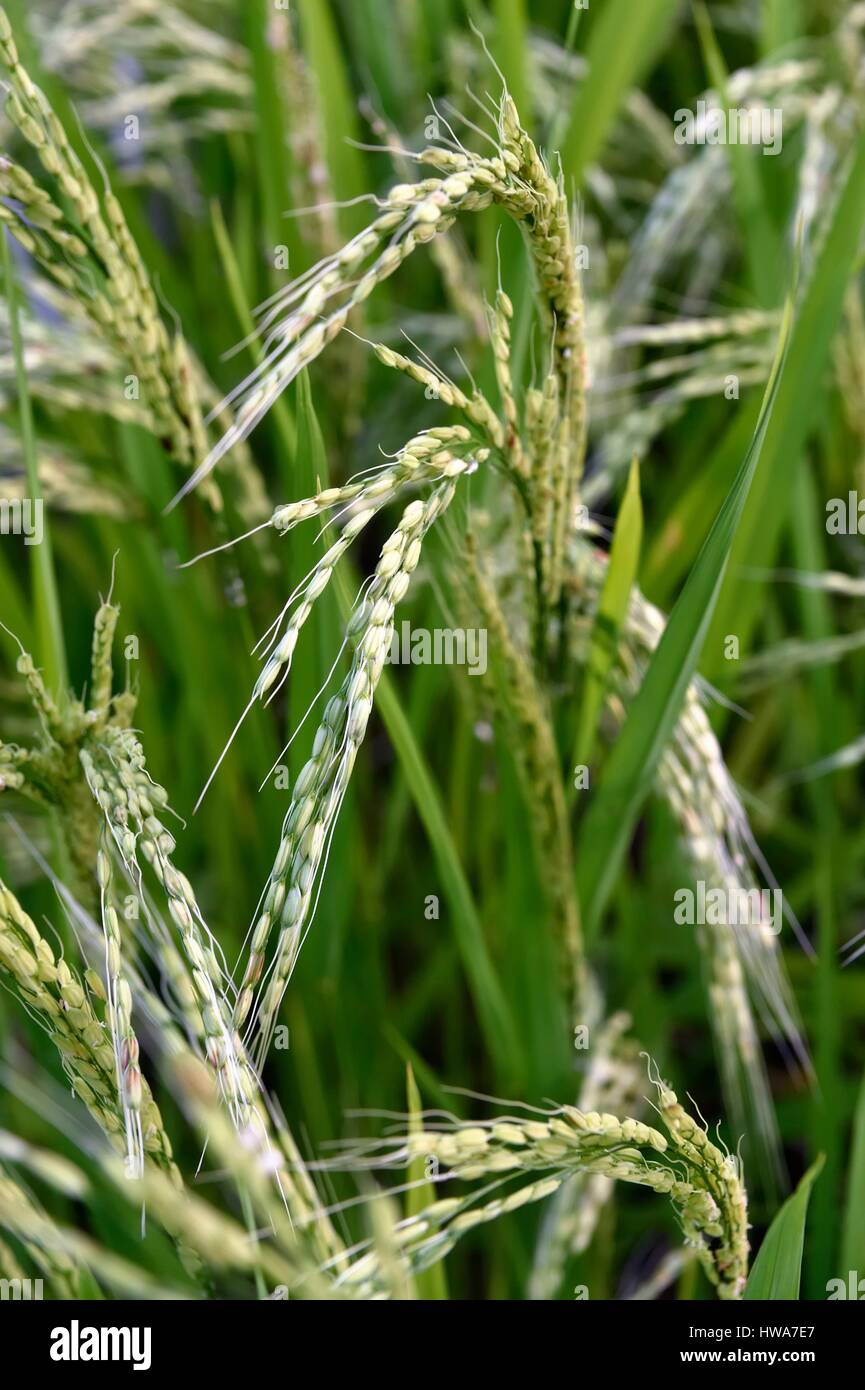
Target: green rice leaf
[
  {"x": 760, "y": 240},
  {"x": 272, "y": 150},
  {"x": 46, "y": 601},
  {"x": 613, "y": 604},
  {"x": 623, "y": 41},
  {"x": 853, "y": 1246},
  {"x": 494, "y": 1013},
  {"x": 629, "y": 774},
  {"x": 777, "y": 1269},
  {"x": 511, "y": 49},
  {"x": 782, "y": 24},
  {"x": 338, "y": 108},
  {"x": 796, "y": 410}
]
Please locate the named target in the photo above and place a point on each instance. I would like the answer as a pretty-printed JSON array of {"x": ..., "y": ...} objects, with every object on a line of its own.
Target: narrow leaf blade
[
  {"x": 620, "y": 578},
  {"x": 853, "y": 1252},
  {"x": 630, "y": 771},
  {"x": 623, "y": 41},
  {"x": 778, "y": 1267}
]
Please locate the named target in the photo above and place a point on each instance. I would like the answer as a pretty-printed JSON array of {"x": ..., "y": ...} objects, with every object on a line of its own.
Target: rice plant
[{"x": 339, "y": 339}]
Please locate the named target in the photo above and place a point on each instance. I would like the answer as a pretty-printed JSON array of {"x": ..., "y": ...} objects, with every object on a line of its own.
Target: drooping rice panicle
[
  {"x": 96, "y": 259},
  {"x": 321, "y": 784},
  {"x": 304, "y": 1232},
  {"x": 300, "y": 321},
  {"x": 130, "y": 803},
  {"x": 40, "y": 1237},
  {"x": 61, "y": 1004},
  {"x": 427, "y": 458},
  {"x": 703, "y": 1183},
  {"x": 126, "y": 307}
]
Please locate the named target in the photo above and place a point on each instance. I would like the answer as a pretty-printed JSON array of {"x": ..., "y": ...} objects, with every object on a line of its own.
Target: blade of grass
[
  {"x": 777, "y": 1269},
  {"x": 623, "y": 41},
  {"x": 821, "y": 715},
  {"x": 493, "y": 1012},
  {"x": 758, "y": 233},
  {"x": 512, "y": 49},
  {"x": 782, "y": 24},
  {"x": 630, "y": 771},
  {"x": 272, "y": 151},
  {"x": 337, "y": 106},
  {"x": 378, "y": 37},
  {"x": 613, "y": 604},
  {"x": 677, "y": 539},
  {"x": 853, "y": 1240},
  {"x": 49, "y": 622},
  {"x": 795, "y": 411}
]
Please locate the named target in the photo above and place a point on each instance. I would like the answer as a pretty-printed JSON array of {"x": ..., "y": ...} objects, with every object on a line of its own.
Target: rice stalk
[
  {"x": 524, "y": 711},
  {"x": 300, "y": 321}
]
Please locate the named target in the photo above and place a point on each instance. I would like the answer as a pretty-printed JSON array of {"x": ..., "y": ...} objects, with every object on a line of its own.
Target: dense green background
[{"x": 378, "y": 983}]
